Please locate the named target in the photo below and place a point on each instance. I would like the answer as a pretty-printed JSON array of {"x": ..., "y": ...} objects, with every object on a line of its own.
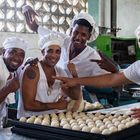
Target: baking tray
[{"x": 27, "y": 129}]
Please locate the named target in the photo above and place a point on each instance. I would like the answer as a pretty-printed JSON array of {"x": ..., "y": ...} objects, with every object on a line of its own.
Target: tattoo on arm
[{"x": 31, "y": 74}]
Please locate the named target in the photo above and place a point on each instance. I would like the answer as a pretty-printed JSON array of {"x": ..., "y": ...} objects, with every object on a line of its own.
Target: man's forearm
[
  {"x": 39, "y": 106},
  {"x": 3, "y": 94}
]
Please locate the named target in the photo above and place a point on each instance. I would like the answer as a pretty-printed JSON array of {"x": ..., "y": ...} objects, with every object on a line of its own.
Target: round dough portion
[
  {"x": 22, "y": 119},
  {"x": 71, "y": 104}
]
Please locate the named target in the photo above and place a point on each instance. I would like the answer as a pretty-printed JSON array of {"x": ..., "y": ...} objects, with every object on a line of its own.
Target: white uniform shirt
[
  {"x": 4, "y": 74},
  {"x": 82, "y": 62},
  {"x": 133, "y": 72},
  {"x": 41, "y": 94}
]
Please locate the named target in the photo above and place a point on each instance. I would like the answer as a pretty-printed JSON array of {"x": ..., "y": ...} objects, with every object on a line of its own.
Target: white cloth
[
  {"x": 41, "y": 94},
  {"x": 4, "y": 74},
  {"x": 133, "y": 72},
  {"x": 89, "y": 18},
  {"x": 137, "y": 32},
  {"x": 82, "y": 62},
  {"x": 51, "y": 39},
  {"x": 15, "y": 42}
]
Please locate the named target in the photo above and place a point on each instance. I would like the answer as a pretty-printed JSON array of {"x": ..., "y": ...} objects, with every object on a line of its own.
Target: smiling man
[
  {"x": 43, "y": 93},
  {"x": 11, "y": 59}
]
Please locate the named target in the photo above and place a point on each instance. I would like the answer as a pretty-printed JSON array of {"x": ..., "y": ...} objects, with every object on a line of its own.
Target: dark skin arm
[
  {"x": 30, "y": 19},
  {"x": 31, "y": 76},
  {"x": 11, "y": 86},
  {"x": 107, "y": 80},
  {"x": 106, "y": 63},
  {"x": 73, "y": 92},
  {"x": 135, "y": 113}
]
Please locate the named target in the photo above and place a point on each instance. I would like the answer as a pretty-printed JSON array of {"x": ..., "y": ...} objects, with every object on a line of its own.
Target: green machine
[{"x": 121, "y": 50}]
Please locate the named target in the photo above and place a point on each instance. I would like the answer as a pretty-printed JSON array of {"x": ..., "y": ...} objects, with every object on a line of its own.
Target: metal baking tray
[{"x": 58, "y": 133}]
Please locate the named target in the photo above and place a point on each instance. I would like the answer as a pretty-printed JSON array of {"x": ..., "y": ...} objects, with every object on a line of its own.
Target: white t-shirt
[
  {"x": 133, "y": 72},
  {"x": 82, "y": 62}
]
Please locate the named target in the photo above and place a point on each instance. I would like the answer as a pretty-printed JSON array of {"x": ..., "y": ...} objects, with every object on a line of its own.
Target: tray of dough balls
[{"x": 79, "y": 126}]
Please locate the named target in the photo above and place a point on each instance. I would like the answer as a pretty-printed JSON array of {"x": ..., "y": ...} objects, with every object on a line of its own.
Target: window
[{"x": 55, "y": 14}]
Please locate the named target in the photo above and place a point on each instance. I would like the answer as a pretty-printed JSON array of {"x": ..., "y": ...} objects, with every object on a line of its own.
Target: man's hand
[
  {"x": 12, "y": 85},
  {"x": 105, "y": 63},
  {"x": 30, "y": 15},
  {"x": 135, "y": 113},
  {"x": 66, "y": 82},
  {"x": 62, "y": 103},
  {"x": 31, "y": 62}
]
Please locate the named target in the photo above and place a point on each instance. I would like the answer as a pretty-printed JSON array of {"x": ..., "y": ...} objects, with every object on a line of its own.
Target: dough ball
[
  {"x": 37, "y": 121},
  {"x": 74, "y": 124},
  {"x": 128, "y": 119},
  {"x": 135, "y": 121},
  {"x": 105, "y": 119},
  {"x": 91, "y": 123},
  {"x": 114, "y": 120},
  {"x": 99, "y": 125},
  {"x": 75, "y": 127},
  {"x": 113, "y": 129},
  {"x": 111, "y": 117},
  {"x": 85, "y": 118},
  {"x": 86, "y": 129},
  {"x": 72, "y": 121},
  {"x": 82, "y": 125},
  {"x": 72, "y": 103},
  {"x": 69, "y": 118},
  {"x": 40, "y": 116},
  {"x": 55, "y": 124},
  {"x": 97, "y": 114},
  {"x": 74, "y": 114},
  {"x": 124, "y": 121},
  {"x": 109, "y": 125},
  {"x": 101, "y": 128},
  {"x": 129, "y": 124},
  {"x": 95, "y": 130},
  {"x": 30, "y": 120},
  {"x": 95, "y": 118},
  {"x": 45, "y": 122},
  {"x": 97, "y": 105},
  {"x": 101, "y": 117},
  {"x": 98, "y": 121},
  {"x": 107, "y": 122},
  {"x": 89, "y": 106},
  {"x": 67, "y": 126},
  {"x": 22, "y": 119},
  {"x": 116, "y": 115},
  {"x": 106, "y": 132},
  {"x": 89, "y": 120},
  {"x": 121, "y": 127},
  {"x": 63, "y": 123},
  {"x": 116, "y": 123},
  {"x": 120, "y": 118}
]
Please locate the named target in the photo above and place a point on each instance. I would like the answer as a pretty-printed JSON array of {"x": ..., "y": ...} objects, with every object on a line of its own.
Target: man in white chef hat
[
  {"x": 12, "y": 57},
  {"x": 127, "y": 76},
  {"x": 41, "y": 95}
]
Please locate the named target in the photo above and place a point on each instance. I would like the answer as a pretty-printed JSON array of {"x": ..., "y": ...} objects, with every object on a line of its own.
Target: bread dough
[
  {"x": 22, "y": 119},
  {"x": 71, "y": 104}
]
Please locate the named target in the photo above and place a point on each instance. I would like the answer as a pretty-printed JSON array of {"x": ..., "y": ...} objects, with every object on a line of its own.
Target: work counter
[{"x": 6, "y": 134}]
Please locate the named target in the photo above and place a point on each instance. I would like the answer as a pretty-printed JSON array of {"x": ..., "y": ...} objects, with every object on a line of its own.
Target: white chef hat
[
  {"x": 89, "y": 18},
  {"x": 137, "y": 32},
  {"x": 51, "y": 39},
  {"x": 15, "y": 42}
]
